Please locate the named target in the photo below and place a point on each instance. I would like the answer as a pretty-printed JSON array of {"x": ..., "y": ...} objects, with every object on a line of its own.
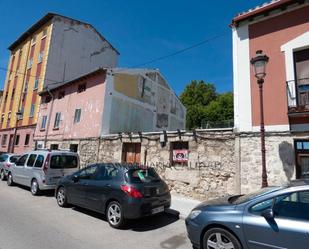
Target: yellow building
[{"x": 54, "y": 50}]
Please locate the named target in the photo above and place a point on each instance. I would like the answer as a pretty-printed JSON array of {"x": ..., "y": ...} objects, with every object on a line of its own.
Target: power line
[{"x": 182, "y": 50}]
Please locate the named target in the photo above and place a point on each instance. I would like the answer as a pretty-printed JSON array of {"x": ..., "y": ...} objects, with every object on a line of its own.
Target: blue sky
[{"x": 143, "y": 30}]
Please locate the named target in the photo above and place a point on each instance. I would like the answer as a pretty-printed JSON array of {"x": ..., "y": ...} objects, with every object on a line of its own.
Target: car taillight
[
  {"x": 131, "y": 191},
  {"x": 45, "y": 168}
]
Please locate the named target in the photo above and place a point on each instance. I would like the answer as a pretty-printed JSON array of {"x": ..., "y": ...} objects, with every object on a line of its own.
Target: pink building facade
[{"x": 72, "y": 111}]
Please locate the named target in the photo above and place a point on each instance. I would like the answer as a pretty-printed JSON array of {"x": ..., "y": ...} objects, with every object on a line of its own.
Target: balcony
[{"x": 298, "y": 96}]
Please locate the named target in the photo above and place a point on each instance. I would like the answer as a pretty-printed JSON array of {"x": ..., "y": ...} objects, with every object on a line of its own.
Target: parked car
[
  {"x": 6, "y": 161},
  {"x": 42, "y": 169},
  {"x": 118, "y": 191},
  {"x": 273, "y": 217}
]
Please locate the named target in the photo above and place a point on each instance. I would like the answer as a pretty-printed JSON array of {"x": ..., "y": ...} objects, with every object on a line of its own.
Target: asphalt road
[{"x": 28, "y": 222}]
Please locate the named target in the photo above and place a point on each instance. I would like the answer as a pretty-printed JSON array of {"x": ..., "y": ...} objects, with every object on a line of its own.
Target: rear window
[
  {"x": 142, "y": 175},
  {"x": 3, "y": 158},
  {"x": 63, "y": 162},
  {"x": 13, "y": 159}
]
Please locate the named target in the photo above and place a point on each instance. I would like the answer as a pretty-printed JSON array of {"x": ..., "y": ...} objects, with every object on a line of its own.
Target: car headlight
[{"x": 194, "y": 214}]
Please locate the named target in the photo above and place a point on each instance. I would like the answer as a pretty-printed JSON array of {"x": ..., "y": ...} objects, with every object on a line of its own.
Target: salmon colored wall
[
  {"x": 90, "y": 102},
  {"x": 269, "y": 36}
]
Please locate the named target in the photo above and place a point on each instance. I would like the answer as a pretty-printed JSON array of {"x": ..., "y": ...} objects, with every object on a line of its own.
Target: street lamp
[
  {"x": 19, "y": 115},
  {"x": 259, "y": 63}
]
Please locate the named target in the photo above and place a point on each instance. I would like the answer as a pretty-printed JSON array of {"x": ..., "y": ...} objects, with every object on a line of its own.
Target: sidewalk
[{"x": 182, "y": 206}]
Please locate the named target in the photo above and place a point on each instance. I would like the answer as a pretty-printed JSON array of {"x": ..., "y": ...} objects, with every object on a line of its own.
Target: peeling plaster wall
[
  {"x": 140, "y": 100},
  {"x": 76, "y": 49}
]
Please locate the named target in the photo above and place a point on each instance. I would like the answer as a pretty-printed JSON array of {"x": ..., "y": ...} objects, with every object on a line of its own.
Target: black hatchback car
[{"x": 119, "y": 191}]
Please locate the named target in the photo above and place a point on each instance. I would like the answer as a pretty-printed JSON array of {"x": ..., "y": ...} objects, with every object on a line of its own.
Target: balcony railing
[{"x": 298, "y": 95}]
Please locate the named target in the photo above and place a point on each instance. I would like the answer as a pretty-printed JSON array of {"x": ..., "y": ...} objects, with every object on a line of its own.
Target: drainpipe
[{"x": 49, "y": 116}]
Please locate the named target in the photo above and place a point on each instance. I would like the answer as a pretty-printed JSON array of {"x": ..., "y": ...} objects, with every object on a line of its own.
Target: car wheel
[
  {"x": 35, "y": 190},
  {"x": 10, "y": 181},
  {"x": 61, "y": 197},
  {"x": 114, "y": 215},
  {"x": 2, "y": 175},
  {"x": 218, "y": 238}
]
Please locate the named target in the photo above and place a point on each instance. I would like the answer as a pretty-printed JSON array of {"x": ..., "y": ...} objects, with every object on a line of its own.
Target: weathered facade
[{"x": 55, "y": 49}]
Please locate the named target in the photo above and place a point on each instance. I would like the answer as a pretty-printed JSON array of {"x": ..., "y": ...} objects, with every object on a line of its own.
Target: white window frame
[{"x": 77, "y": 115}]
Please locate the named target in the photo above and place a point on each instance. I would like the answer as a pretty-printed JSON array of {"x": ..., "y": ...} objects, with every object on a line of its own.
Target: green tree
[{"x": 203, "y": 103}]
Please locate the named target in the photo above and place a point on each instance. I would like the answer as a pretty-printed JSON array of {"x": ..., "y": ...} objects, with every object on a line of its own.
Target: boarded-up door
[{"x": 131, "y": 152}]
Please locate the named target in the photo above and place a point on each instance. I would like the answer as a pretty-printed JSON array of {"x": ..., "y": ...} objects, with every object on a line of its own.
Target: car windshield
[
  {"x": 238, "y": 199},
  {"x": 3, "y": 158},
  {"x": 142, "y": 175},
  {"x": 13, "y": 159}
]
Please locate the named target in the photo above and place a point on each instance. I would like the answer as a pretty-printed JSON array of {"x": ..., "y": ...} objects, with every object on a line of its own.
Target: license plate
[{"x": 157, "y": 210}]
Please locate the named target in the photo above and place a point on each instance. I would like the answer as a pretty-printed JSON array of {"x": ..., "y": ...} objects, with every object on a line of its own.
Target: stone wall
[{"x": 219, "y": 163}]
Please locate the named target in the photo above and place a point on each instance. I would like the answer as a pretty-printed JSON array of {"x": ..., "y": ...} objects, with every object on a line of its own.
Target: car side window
[
  {"x": 21, "y": 161},
  {"x": 261, "y": 206},
  {"x": 31, "y": 160},
  {"x": 107, "y": 172},
  {"x": 294, "y": 205},
  {"x": 88, "y": 173},
  {"x": 39, "y": 161}
]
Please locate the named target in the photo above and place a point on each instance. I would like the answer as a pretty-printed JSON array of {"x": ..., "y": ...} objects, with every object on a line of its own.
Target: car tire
[
  {"x": 35, "y": 189},
  {"x": 220, "y": 238},
  {"x": 62, "y": 200},
  {"x": 114, "y": 215},
  {"x": 10, "y": 181},
  {"x": 2, "y": 176}
]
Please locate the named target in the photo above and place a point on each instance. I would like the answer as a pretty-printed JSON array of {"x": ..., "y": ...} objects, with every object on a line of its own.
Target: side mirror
[
  {"x": 75, "y": 178},
  {"x": 268, "y": 214}
]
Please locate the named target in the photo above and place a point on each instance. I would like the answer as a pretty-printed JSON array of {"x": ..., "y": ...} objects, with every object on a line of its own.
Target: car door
[
  {"x": 288, "y": 229},
  {"x": 28, "y": 169},
  {"x": 76, "y": 187},
  {"x": 18, "y": 170},
  {"x": 99, "y": 186}
]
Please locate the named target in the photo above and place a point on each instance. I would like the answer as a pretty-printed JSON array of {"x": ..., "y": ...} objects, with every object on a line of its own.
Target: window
[
  {"x": 36, "y": 83},
  {"x": 74, "y": 147},
  {"x": 40, "y": 57},
  {"x": 43, "y": 123},
  {"x": 294, "y": 205},
  {"x": 21, "y": 112},
  {"x": 2, "y": 117},
  {"x": 87, "y": 173},
  {"x": 179, "y": 152},
  {"x": 30, "y": 63},
  {"x": 27, "y": 138},
  {"x": 63, "y": 162},
  {"x": 44, "y": 33},
  {"x": 32, "y": 110},
  {"x": 57, "y": 120},
  {"x": 17, "y": 140},
  {"x": 54, "y": 146},
  {"x": 13, "y": 159},
  {"x": 3, "y": 158},
  {"x": 107, "y": 172},
  {"x": 21, "y": 161},
  {"x": 81, "y": 88},
  {"x": 31, "y": 160},
  {"x": 33, "y": 40},
  {"x": 61, "y": 94},
  {"x": 261, "y": 206},
  {"x": 77, "y": 115},
  {"x": 13, "y": 93},
  {"x": 39, "y": 161},
  {"x": 26, "y": 86},
  {"x": 9, "y": 116},
  {"x": 142, "y": 175}
]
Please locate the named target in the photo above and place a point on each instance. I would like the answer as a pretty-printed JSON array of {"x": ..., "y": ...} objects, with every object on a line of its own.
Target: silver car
[
  {"x": 273, "y": 217},
  {"x": 6, "y": 162},
  {"x": 42, "y": 169}
]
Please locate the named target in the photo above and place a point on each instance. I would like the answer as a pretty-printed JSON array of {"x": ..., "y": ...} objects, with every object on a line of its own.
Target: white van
[{"x": 42, "y": 169}]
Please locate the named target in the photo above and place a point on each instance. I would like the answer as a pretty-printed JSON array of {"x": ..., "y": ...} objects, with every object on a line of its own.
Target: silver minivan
[
  {"x": 6, "y": 161},
  {"x": 42, "y": 169}
]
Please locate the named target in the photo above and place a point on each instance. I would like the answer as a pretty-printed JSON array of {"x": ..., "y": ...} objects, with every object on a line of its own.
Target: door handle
[{"x": 108, "y": 185}]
